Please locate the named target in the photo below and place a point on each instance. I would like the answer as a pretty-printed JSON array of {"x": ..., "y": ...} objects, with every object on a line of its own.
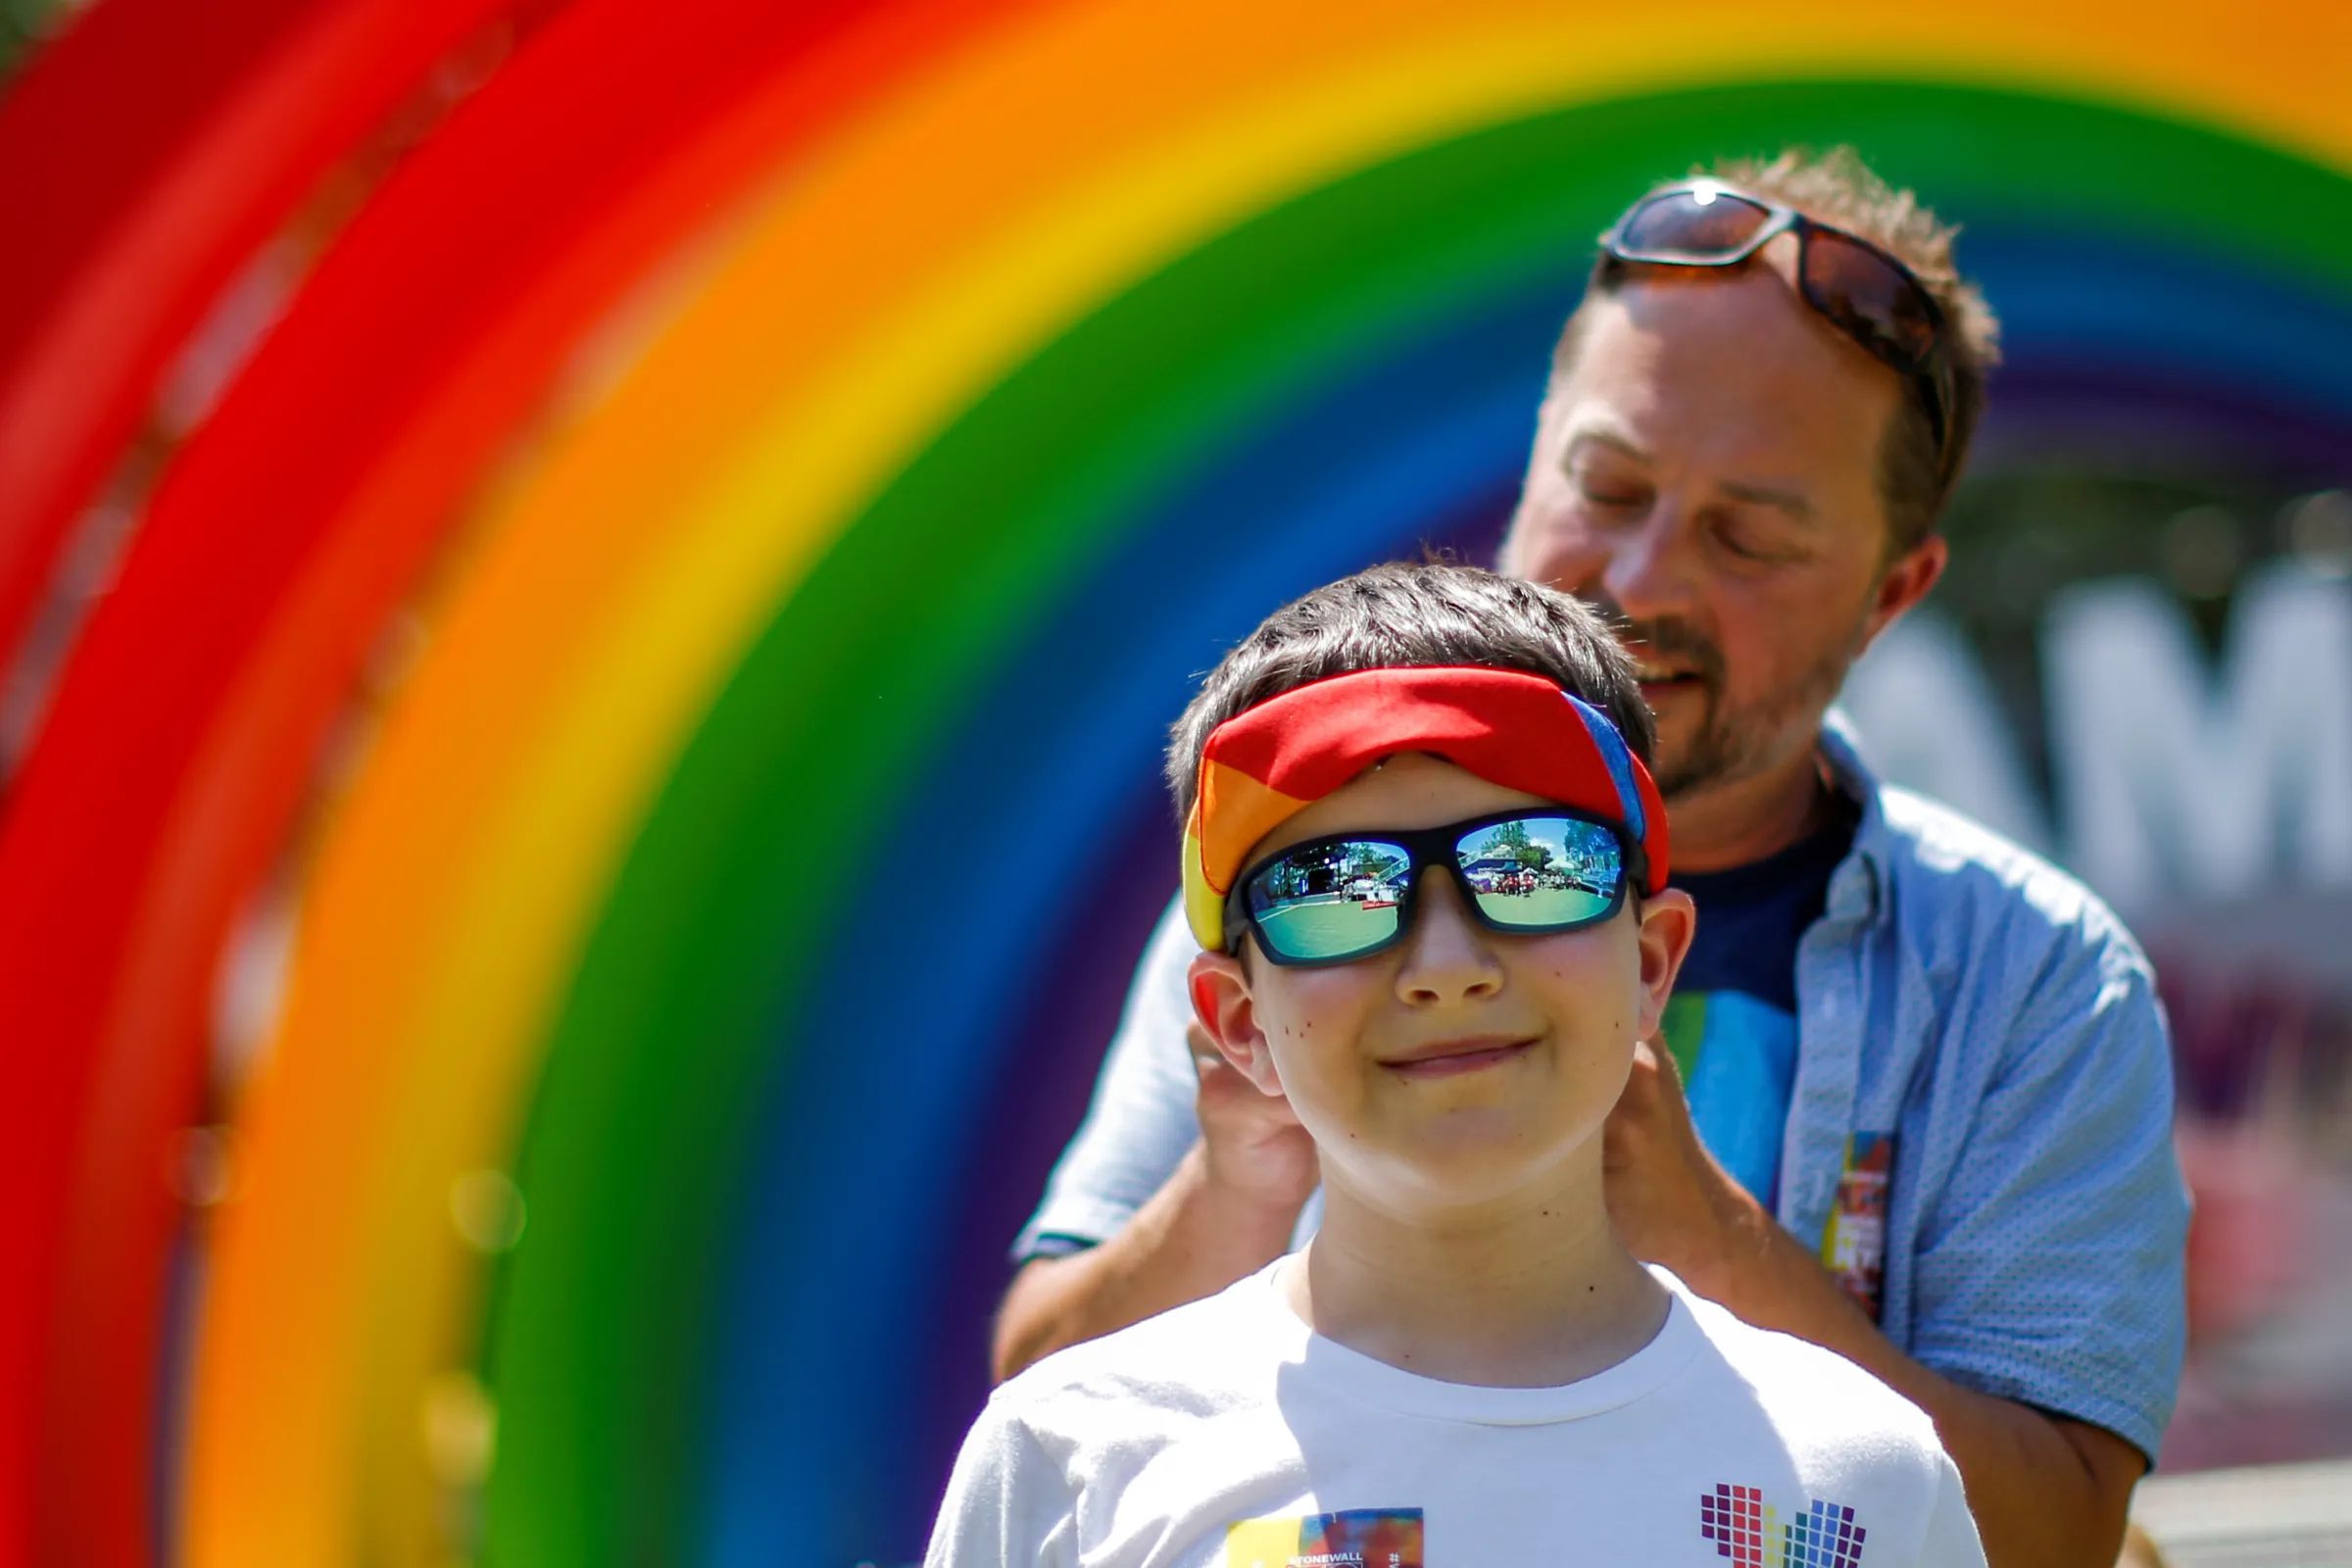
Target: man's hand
[
  {"x": 2044, "y": 1489},
  {"x": 1671, "y": 1202},
  {"x": 1227, "y": 1211},
  {"x": 1252, "y": 1142}
]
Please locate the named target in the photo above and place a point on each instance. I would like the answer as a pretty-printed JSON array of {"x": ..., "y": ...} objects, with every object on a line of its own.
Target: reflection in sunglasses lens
[
  {"x": 1680, "y": 225},
  {"x": 1863, "y": 292},
  {"x": 1542, "y": 873},
  {"x": 1330, "y": 900},
  {"x": 1344, "y": 899}
]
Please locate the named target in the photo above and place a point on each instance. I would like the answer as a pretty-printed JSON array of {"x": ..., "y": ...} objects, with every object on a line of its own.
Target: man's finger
[{"x": 1656, "y": 1054}]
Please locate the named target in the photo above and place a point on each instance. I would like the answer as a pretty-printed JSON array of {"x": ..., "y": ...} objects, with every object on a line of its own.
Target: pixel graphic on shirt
[
  {"x": 1749, "y": 1531},
  {"x": 1353, "y": 1538}
]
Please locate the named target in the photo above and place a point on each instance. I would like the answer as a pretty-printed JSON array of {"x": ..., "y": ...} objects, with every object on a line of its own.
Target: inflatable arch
[{"x": 818, "y": 442}]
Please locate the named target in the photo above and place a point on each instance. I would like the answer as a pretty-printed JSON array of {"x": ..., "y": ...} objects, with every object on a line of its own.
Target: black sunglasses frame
[
  {"x": 1933, "y": 370},
  {"x": 1427, "y": 848}
]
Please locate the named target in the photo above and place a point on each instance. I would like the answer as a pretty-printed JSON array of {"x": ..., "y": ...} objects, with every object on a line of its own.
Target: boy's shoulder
[
  {"x": 1814, "y": 1397},
  {"x": 1077, "y": 1448},
  {"x": 1189, "y": 1361}
]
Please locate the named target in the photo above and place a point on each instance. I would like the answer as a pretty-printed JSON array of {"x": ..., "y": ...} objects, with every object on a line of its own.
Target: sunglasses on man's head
[
  {"x": 1352, "y": 895},
  {"x": 1858, "y": 288}
]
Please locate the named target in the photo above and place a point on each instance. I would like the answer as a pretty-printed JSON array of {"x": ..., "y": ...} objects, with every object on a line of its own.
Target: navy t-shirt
[{"x": 1732, "y": 1024}]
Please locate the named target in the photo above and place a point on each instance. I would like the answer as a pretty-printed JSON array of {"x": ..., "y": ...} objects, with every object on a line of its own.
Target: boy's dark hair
[{"x": 1412, "y": 617}]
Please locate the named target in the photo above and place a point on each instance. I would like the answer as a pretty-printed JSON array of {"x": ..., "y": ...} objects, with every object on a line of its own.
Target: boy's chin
[{"x": 1471, "y": 1159}]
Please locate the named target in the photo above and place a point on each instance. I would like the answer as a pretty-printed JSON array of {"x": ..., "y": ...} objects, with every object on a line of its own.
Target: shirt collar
[{"x": 1855, "y": 885}]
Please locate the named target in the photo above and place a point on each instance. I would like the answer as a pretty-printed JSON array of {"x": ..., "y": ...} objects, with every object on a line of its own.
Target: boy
[{"x": 1427, "y": 865}]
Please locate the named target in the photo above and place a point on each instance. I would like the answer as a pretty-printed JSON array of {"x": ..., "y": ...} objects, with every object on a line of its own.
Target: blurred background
[{"x": 589, "y": 594}]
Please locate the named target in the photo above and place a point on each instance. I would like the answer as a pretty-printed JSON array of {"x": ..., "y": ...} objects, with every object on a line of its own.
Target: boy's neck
[{"x": 1532, "y": 1292}]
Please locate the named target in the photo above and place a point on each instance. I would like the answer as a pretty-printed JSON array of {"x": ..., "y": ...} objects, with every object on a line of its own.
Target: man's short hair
[
  {"x": 1412, "y": 617},
  {"x": 1840, "y": 190}
]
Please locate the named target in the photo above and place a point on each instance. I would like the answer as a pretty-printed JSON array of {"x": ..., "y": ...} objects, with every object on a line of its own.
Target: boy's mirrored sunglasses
[
  {"x": 1352, "y": 895},
  {"x": 1863, "y": 291}
]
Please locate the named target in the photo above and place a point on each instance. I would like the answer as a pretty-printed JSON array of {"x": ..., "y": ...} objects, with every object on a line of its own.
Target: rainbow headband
[{"x": 1508, "y": 728}]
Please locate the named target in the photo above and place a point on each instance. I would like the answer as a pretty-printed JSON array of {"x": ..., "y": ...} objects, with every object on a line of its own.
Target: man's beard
[{"x": 1728, "y": 745}]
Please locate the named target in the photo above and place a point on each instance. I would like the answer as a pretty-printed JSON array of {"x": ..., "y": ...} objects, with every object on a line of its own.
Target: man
[{"x": 1929, "y": 1114}]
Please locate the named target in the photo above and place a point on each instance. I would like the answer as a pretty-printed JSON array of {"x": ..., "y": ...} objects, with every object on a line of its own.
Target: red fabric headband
[{"x": 1509, "y": 727}]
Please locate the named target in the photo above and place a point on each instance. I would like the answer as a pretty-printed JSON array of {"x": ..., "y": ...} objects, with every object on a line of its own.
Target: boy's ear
[
  {"x": 1222, "y": 1001},
  {"x": 1669, "y": 920}
]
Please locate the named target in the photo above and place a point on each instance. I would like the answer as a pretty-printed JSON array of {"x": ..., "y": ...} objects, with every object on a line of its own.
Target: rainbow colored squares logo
[
  {"x": 1353, "y": 1538},
  {"x": 1751, "y": 1532}
]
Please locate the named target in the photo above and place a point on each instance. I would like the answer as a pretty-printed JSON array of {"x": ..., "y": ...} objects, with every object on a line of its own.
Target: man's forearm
[
  {"x": 2044, "y": 1490},
  {"x": 1191, "y": 1238}
]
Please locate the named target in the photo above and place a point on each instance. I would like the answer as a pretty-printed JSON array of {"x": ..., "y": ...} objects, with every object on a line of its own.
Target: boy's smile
[
  {"x": 1456, "y": 1065},
  {"x": 1442, "y": 1058}
]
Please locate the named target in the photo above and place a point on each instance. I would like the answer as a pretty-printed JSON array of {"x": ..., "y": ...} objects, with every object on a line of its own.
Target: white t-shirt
[{"x": 1228, "y": 1432}]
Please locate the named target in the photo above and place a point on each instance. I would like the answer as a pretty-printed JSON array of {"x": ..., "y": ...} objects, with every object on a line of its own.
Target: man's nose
[
  {"x": 1448, "y": 956},
  {"x": 1647, "y": 572}
]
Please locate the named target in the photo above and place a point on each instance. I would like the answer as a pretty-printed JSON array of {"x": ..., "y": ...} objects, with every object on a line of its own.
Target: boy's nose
[{"x": 1447, "y": 954}]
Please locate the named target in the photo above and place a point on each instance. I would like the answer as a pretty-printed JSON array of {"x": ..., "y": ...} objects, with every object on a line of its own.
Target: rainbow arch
[{"x": 810, "y": 433}]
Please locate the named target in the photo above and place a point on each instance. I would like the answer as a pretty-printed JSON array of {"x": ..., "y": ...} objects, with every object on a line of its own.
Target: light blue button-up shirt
[{"x": 1959, "y": 994}]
